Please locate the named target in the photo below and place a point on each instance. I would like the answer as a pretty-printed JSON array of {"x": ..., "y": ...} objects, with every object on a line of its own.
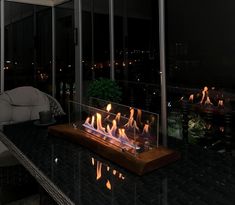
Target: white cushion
[
  {"x": 4, "y": 97},
  {"x": 22, "y": 104},
  {"x": 27, "y": 95},
  {"x": 21, "y": 113},
  {"x": 5, "y": 111}
]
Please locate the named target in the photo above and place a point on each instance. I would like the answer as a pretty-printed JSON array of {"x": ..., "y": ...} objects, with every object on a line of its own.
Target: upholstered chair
[{"x": 19, "y": 105}]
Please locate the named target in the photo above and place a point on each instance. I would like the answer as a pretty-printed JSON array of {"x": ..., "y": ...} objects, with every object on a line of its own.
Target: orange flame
[
  {"x": 99, "y": 122},
  {"x": 204, "y": 94},
  {"x": 221, "y": 129},
  {"x": 208, "y": 126},
  {"x": 109, "y": 107},
  {"x": 98, "y": 170},
  {"x": 118, "y": 116},
  {"x": 191, "y": 97},
  {"x": 87, "y": 120},
  {"x": 122, "y": 134},
  {"x": 112, "y": 131},
  {"x": 132, "y": 111},
  {"x": 108, "y": 185},
  {"x": 208, "y": 101},
  {"x": 221, "y": 103},
  {"x": 93, "y": 161},
  {"x": 131, "y": 118},
  {"x": 139, "y": 116},
  {"x": 146, "y": 129},
  {"x": 131, "y": 122},
  {"x": 92, "y": 121}
]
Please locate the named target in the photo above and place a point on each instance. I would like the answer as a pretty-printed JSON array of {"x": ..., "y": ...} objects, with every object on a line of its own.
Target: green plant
[
  {"x": 105, "y": 89},
  {"x": 196, "y": 128}
]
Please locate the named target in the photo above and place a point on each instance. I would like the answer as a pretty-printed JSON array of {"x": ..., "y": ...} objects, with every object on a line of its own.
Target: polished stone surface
[{"x": 200, "y": 177}]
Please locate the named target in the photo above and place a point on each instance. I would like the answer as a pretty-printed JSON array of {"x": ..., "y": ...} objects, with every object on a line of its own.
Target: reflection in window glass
[
  {"x": 43, "y": 49},
  {"x": 200, "y": 76},
  {"x": 65, "y": 70},
  {"x": 96, "y": 52},
  {"x": 27, "y": 46},
  {"x": 136, "y": 52}
]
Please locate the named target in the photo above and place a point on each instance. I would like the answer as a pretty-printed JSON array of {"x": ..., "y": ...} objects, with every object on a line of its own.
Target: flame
[
  {"x": 204, "y": 94},
  {"x": 221, "y": 103},
  {"x": 109, "y": 107},
  {"x": 118, "y": 116},
  {"x": 114, "y": 134},
  {"x": 132, "y": 111},
  {"x": 208, "y": 101},
  {"x": 191, "y": 97},
  {"x": 131, "y": 122},
  {"x": 131, "y": 119},
  {"x": 87, "y": 120},
  {"x": 207, "y": 95},
  {"x": 139, "y": 116},
  {"x": 109, "y": 130},
  {"x": 208, "y": 126},
  {"x": 135, "y": 125},
  {"x": 112, "y": 131},
  {"x": 92, "y": 121},
  {"x": 108, "y": 185},
  {"x": 98, "y": 170},
  {"x": 146, "y": 129},
  {"x": 99, "y": 173},
  {"x": 122, "y": 134},
  {"x": 93, "y": 161},
  {"x": 221, "y": 129},
  {"x": 99, "y": 122}
]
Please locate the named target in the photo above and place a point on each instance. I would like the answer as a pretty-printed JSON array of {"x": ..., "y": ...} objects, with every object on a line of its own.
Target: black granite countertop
[{"x": 200, "y": 177}]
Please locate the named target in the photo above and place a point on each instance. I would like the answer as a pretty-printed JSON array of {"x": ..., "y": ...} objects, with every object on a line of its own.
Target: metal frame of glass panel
[{"x": 2, "y": 46}]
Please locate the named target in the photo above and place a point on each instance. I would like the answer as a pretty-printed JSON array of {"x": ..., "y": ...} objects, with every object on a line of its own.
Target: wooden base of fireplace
[{"x": 140, "y": 164}]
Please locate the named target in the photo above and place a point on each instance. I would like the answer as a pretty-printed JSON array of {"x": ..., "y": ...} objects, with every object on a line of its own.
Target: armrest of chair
[{"x": 55, "y": 106}]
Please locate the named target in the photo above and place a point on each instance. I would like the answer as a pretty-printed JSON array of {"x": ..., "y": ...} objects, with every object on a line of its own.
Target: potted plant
[
  {"x": 196, "y": 128},
  {"x": 105, "y": 89}
]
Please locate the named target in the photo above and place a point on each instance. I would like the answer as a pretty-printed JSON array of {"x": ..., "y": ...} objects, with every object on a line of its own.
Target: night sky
[{"x": 208, "y": 30}]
